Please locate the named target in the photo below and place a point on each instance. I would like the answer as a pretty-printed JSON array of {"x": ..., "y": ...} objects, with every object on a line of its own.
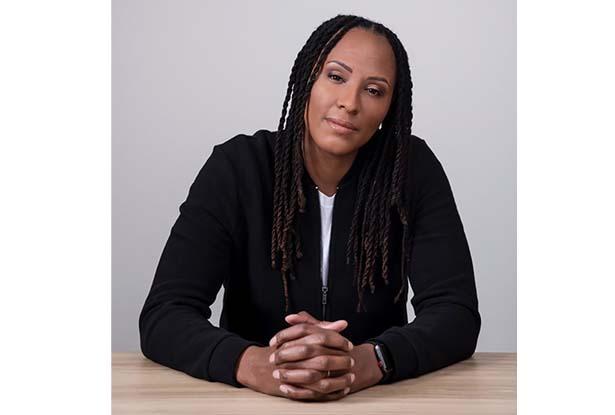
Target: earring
[{"x": 380, "y": 126}]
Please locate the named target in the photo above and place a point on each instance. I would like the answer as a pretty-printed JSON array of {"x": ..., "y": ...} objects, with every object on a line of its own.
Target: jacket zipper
[
  {"x": 324, "y": 288},
  {"x": 324, "y": 300}
]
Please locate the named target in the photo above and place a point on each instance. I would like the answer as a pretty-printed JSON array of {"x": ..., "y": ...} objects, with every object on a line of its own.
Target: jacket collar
[{"x": 351, "y": 174}]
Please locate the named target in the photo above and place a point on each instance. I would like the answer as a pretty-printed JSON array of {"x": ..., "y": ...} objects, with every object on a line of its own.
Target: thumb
[
  {"x": 302, "y": 317},
  {"x": 337, "y": 325}
]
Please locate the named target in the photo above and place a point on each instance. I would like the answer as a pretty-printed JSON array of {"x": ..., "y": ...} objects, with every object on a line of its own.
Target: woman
[{"x": 301, "y": 221}]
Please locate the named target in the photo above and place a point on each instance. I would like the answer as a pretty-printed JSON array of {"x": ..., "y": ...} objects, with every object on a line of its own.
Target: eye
[
  {"x": 374, "y": 92},
  {"x": 335, "y": 77}
]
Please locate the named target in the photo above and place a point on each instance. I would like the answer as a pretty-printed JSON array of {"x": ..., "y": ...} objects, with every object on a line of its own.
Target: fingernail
[
  {"x": 346, "y": 390},
  {"x": 276, "y": 374},
  {"x": 272, "y": 341},
  {"x": 284, "y": 388},
  {"x": 350, "y": 346},
  {"x": 351, "y": 377},
  {"x": 351, "y": 362},
  {"x": 271, "y": 358}
]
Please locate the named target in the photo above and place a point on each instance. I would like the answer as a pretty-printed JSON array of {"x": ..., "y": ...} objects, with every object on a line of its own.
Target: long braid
[{"x": 381, "y": 185}]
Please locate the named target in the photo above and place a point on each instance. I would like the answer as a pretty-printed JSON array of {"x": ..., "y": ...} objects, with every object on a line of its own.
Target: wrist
[
  {"x": 384, "y": 359},
  {"x": 366, "y": 369},
  {"x": 245, "y": 365}
]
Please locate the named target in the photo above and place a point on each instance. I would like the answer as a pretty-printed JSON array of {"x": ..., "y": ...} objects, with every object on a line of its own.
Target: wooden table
[{"x": 484, "y": 384}]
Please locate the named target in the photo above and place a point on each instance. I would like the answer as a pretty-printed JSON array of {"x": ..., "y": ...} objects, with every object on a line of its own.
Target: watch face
[{"x": 383, "y": 357}]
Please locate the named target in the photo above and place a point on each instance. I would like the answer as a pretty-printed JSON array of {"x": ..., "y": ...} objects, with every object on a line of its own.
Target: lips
[{"x": 341, "y": 125}]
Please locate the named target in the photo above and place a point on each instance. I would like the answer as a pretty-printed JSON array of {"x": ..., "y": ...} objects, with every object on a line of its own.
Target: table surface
[{"x": 486, "y": 383}]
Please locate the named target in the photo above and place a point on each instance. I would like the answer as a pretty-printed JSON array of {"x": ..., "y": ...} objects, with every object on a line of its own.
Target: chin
[{"x": 336, "y": 145}]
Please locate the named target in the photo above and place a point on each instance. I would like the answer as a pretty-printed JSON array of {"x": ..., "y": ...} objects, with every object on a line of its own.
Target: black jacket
[{"x": 223, "y": 236}]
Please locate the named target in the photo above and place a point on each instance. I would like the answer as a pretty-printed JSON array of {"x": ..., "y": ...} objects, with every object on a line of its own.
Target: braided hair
[{"x": 381, "y": 183}]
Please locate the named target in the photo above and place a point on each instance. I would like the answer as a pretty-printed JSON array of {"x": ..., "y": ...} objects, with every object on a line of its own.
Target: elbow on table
[
  {"x": 145, "y": 331},
  {"x": 472, "y": 334}
]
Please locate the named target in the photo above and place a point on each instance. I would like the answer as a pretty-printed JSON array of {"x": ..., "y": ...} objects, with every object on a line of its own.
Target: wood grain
[{"x": 484, "y": 384}]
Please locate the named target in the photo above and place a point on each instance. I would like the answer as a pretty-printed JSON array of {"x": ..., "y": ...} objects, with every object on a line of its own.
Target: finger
[
  {"x": 338, "y": 325},
  {"x": 292, "y": 333},
  {"x": 298, "y": 376},
  {"x": 321, "y": 339},
  {"x": 302, "y": 377},
  {"x": 303, "y": 330},
  {"x": 331, "y": 384},
  {"x": 302, "y": 352},
  {"x": 293, "y": 392},
  {"x": 302, "y": 317},
  {"x": 305, "y": 317},
  {"x": 322, "y": 362}
]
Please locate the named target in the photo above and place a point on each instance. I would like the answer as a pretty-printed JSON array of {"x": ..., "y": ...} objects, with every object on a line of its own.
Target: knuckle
[
  {"x": 322, "y": 362},
  {"x": 310, "y": 350},
  {"x": 314, "y": 376},
  {"x": 303, "y": 349},
  {"x": 321, "y": 338},
  {"x": 324, "y": 384}
]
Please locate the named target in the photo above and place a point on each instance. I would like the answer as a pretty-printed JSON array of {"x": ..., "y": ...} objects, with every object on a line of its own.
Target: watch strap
[{"x": 388, "y": 361}]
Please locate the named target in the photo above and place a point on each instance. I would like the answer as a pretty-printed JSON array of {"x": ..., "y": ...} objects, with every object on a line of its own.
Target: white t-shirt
[{"x": 326, "y": 213}]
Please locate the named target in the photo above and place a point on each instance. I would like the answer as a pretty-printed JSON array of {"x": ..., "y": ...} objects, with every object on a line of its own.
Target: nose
[{"x": 348, "y": 98}]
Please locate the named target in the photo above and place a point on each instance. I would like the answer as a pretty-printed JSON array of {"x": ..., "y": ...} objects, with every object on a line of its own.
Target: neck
[{"x": 325, "y": 169}]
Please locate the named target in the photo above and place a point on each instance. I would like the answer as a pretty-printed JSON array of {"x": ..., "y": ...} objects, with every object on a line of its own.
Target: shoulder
[
  {"x": 420, "y": 149},
  {"x": 425, "y": 169},
  {"x": 423, "y": 160},
  {"x": 243, "y": 152},
  {"x": 247, "y": 147},
  {"x": 247, "y": 161},
  {"x": 233, "y": 166}
]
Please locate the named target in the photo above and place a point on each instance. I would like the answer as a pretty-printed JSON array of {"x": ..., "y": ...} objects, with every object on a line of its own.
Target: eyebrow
[{"x": 349, "y": 69}]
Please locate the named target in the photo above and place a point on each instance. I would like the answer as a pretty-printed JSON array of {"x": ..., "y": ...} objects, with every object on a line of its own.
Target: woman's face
[{"x": 354, "y": 88}]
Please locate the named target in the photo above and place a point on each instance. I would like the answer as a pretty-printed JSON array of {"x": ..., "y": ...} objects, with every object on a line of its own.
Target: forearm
[
  {"x": 439, "y": 336},
  {"x": 181, "y": 338}
]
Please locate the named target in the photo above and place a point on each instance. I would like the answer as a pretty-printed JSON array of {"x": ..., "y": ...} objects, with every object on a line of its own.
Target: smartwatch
[{"x": 385, "y": 362}]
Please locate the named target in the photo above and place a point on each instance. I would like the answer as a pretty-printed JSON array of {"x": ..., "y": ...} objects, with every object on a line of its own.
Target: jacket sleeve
[
  {"x": 447, "y": 323},
  {"x": 174, "y": 323}
]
